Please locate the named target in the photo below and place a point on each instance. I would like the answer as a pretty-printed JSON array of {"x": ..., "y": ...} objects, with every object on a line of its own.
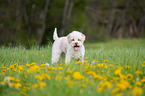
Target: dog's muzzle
[{"x": 76, "y": 47}]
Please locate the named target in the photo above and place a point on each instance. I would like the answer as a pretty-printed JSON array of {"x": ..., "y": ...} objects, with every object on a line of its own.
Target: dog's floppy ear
[
  {"x": 68, "y": 37},
  {"x": 84, "y": 37}
]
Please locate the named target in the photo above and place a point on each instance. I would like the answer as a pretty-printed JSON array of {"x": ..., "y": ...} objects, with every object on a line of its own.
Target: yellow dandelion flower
[
  {"x": 129, "y": 77},
  {"x": 118, "y": 94},
  {"x": 105, "y": 66},
  {"x": 91, "y": 82},
  {"x": 122, "y": 77},
  {"x": 100, "y": 77},
  {"x": 58, "y": 78},
  {"x": 121, "y": 86},
  {"x": 60, "y": 64},
  {"x": 100, "y": 89},
  {"x": 40, "y": 77},
  {"x": 108, "y": 84},
  {"x": 60, "y": 68},
  {"x": 100, "y": 65},
  {"x": 111, "y": 65},
  {"x": 83, "y": 85},
  {"x": 106, "y": 61},
  {"x": 33, "y": 63},
  {"x": 27, "y": 88},
  {"x": 127, "y": 67},
  {"x": 52, "y": 68},
  {"x": 15, "y": 69},
  {"x": 70, "y": 83},
  {"x": 11, "y": 78},
  {"x": 91, "y": 73},
  {"x": 42, "y": 84},
  {"x": 17, "y": 80},
  {"x": 115, "y": 90},
  {"x": 117, "y": 72},
  {"x": 77, "y": 75},
  {"x": 2, "y": 73},
  {"x": 129, "y": 86},
  {"x": 4, "y": 70},
  {"x": 25, "y": 75},
  {"x": 18, "y": 63},
  {"x": 35, "y": 86},
  {"x": 95, "y": 61},
  {"x": 66, "y": 78},
  {"x": 28, "y": 84},
  {"x": 42, "y": 65},
  {"x": 137, "y": 91},
  {"x": 79, "y": 62},
  {"x": 3, "y": 67},
  {"x": 37, "y": 76},
  {"x": 34, "y": 68},
  {"x": 21, "y": 67},
  {"x": 119, "y": 68},
  {"x": 94, "y": 66},
  {"x": 12, "y": 66},
  {"x": 116, "y": 63},
  {"x": 18, "y": 85},
  {"x": 143, "y": 64},
  {"x": 97, "y": 76},
  {"x": 23, "y": 92},
  {"x": 138, "y": 83},
  {"x": 139, "y": 72},
  {"x": 24, "y": 89},
  {"x": 143, "y": 80},
  {"x": 8, "y": 68},
  {"x": 28, "y": 65},
  {"x": 69, "y": 72},
  {"x": 85, "y": 61},
  {"x": 56, "y": 68},
  {"x": 3, "y": 82},
  {"x": 46, "y": 75},
  {"x": 42, "y": 56}
]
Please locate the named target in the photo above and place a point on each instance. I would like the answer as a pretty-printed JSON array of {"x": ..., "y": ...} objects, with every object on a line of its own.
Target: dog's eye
[
  {"x": 79, "y": 39},
  {"x": 72, "y": 40}
]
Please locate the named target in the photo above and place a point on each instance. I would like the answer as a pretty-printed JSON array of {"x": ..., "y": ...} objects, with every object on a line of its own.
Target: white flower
[
  {"x": 6, "y": 79},
  {"x": 47, "y": 64}
]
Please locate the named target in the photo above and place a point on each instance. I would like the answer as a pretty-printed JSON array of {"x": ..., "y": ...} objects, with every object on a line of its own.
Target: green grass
[{"x": 125, "y": 52}]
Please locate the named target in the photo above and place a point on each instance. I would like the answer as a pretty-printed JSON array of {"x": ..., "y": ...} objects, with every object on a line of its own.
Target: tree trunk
[
  {"x": 64, "y": 18},
  {"x": 44, "y": 24},
  {"x": 66, "y": 15},
  {"x": 28, "y": 21},
  {"x": 70, "y": 9}
]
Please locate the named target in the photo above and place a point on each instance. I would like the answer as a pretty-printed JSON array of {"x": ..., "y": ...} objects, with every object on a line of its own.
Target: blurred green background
[{"x": 32, "y": 22}]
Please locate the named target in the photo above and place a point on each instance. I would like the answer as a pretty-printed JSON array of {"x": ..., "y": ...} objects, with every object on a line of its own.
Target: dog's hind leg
[
  {"x": 55, "y": 56},
  {"x": 62, "y": 57}
]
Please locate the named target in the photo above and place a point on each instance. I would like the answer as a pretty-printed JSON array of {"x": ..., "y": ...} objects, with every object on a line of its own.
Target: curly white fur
[{"x": 71, "y": 45}]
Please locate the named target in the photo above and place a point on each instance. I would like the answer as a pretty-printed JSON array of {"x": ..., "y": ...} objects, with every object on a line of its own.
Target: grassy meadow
[{"x": 113, "y": 68}]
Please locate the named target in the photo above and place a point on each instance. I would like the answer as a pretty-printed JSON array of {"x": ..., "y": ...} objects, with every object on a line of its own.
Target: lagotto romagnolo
[{"x": 71, "y": 45}]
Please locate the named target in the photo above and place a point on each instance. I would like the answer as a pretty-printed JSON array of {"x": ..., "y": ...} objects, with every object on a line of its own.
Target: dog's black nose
[{"x": 76, "y": 43}]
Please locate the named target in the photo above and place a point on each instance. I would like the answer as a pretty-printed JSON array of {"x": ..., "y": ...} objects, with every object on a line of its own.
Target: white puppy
[{"x": 71, "y": 45}]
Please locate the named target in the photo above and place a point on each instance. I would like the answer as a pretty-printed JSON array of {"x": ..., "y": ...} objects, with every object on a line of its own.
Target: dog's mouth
[{"x": 76, "y": 47}]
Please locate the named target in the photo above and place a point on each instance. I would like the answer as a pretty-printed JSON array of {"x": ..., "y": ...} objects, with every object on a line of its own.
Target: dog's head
[{"x": 76, "y": 39}]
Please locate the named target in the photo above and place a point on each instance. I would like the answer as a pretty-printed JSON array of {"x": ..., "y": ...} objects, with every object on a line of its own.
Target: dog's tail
[{"x": 55, "y": 34}]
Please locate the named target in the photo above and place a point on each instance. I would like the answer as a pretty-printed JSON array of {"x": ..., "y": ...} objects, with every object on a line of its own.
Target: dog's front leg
[
  {"x": 81, "y": 58},
  {"x": 67, "y": 58}
]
